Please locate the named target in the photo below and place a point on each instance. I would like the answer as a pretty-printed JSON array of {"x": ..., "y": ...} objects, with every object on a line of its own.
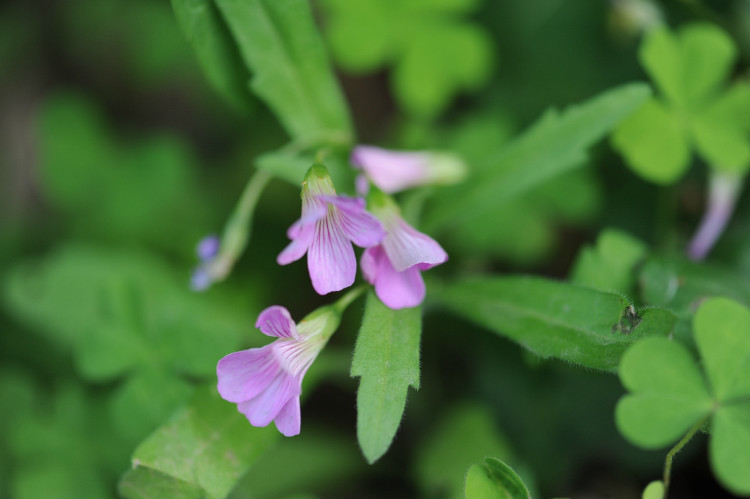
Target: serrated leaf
[
  {"x": 494, "y": 479},
  {"x": 386, "y": 358},
  {"x": 654, "y": 142},
  {"x": 553, "y": 145},
  {"x": 553, "y": 319},
  {"x": 217, "y": 53},
  {"x": 668, "y": 393},
  {"x": 279, "y": 42},
  {"x": 201, "y": 452},
  {"x": 722, "y": 332},
  {"x": 730, "y": 447}
]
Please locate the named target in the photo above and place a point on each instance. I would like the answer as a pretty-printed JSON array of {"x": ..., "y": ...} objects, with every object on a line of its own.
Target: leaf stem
[{"x": 677, "y": 448}]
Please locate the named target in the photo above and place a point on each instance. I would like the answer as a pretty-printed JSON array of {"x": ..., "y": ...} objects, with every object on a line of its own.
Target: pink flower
[
  {"x": 394, "y": 171},
  {"x": 394, "y": 267},
  {"x": 326, "y": 230},
  {"x": 266, "y": 382}
]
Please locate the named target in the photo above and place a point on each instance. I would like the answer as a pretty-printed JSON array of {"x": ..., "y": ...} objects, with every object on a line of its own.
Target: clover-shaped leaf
[
  {"x": 434, "y": 52},
  {"x": 669, "y": 393},
  {"x": 694, "y": 112}
]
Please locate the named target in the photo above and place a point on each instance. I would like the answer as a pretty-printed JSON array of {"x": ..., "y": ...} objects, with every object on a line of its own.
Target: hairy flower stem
[
  {"x": 724, "y": 189},
  {"x": 342, "y": 303},
  {"x": 677, "y": 448}
]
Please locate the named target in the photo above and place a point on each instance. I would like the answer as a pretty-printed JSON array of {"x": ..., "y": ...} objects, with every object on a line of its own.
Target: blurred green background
[{"x": 116, "y": 157}]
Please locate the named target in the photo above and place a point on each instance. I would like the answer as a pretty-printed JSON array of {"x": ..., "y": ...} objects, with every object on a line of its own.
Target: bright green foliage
[
  {"x": 434, "y": 51},
  {"x": 695, "y": 111},
  {"x": 116, "y": 188},
  {"x": 217, "y": 53},
  {"x": 493, "y": 479},
  {"x": 282, "y": 48},
  {"x": 610, "y": 265},
  {"x": 555, "y": 144},
  {"x": 386, "y": 358},
  {"x": 201, "y": 452},
  {"x": 465, "y": 434},
  {"x": 553, "y": 319},
  {"x": 669, "y": 394},
  {"x": 292, "y": 166},
  {"x": 654, "y": 490}
]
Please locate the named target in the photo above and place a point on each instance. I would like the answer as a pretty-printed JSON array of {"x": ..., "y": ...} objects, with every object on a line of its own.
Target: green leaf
[
  {"x": 386, "y": 358},
  {"x": 555, "y": 144},
  {"x": 680, "y": 285},
  {"x": 722, "y": 332},
  {"x": 610, "y": 265},
  {"x": 464, "y": 434},
  {"x": 201, "y": 452},
  {"x": 660, "y": 56},
  {"x": 721, "y": 143},
  {"x": 654, "y": 490},
  {"x": 654, "y": 142},
  {"x": 668, "y": 393},
  {"x": 708, "y": 54},
  {"x": 729, "y": 447},
  {"x": 279, "y": 42},
  {"x": 494, "y": 479},
  {"x": 217, "y": 53},
  {"x": 553, "y": 319}
]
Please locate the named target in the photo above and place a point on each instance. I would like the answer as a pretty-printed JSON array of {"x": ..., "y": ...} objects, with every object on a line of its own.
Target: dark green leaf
[
  {"x": 553, "y": 319},
  {"x": 279, "y": 42},
  {"x": 386, "y": 358}
]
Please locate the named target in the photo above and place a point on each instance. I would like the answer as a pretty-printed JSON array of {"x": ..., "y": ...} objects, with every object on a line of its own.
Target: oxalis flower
[
  {"x": 394, "y": 171},
  {"x": 266, "y": 382},
  {"x": 326, "y": 230},
  {"x": 394, "y": 267}
]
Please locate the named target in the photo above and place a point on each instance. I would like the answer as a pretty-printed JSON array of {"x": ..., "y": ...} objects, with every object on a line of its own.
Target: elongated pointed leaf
[
  {"x": 557, "y": 143},
  {"x": 553, "y": 319},
  {"x": 280, "y": 44},
  {"x": 386, "y": 359}
]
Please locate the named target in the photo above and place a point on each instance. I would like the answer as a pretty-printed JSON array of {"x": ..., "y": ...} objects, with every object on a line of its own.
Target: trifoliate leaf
[
  {"x": 668, "y": 394},
  {"x": 729, "y": 448}
]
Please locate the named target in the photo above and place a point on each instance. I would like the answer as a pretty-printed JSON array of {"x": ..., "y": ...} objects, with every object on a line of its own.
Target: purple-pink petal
[
  {"x": 359, "y": 226},
  {"x": 406, "y": 247},
  {"x": 299, "y": 245},
  {"x": 277, "y": 321},
  {"x": 391, "y": 171},
  {"x": 288, "y": 420},
  {"x": 243, "y": 375},
  {"x": 396, "y": 289},
  {"x": 264, "y": 408},
  {"x": 330, "y": 259}
]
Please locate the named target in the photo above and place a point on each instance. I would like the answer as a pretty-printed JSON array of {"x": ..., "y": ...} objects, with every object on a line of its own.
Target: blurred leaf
[
  {"x": 494, "y": 479},
  {"x": 555, "y": 144},
  {"x": 109, "y": 187},
  {"x": 297, "y": 465},
  {"x": 611, "y": 264},
  {"x": 291, "y": 166},
  {"x": 680, "y": 285},
  {"x": 554, "y": 319},
  {"x": 654, "y": 143},
  {"x": 669, "y": 392},
  {"x": 654, "y": 490},
  {"x": 434, "y": 51},
  {"x": 690, "y": 69},
  {"x": 386, "y": 358},
  {"x": 201, "y": 452},
  {"x": 217, "y": 53},
  {"x": 464, "y": 434},
  {"x": 280, "y": 44}
]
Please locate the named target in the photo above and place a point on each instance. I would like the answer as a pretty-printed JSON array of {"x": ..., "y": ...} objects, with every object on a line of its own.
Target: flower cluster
[{"x": 266, "y": 382}]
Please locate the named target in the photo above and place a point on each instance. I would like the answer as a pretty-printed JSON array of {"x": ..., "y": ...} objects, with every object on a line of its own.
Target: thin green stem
[
  {"x": 342, "y": 303},
  {"x": 677, "y": 448}
]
